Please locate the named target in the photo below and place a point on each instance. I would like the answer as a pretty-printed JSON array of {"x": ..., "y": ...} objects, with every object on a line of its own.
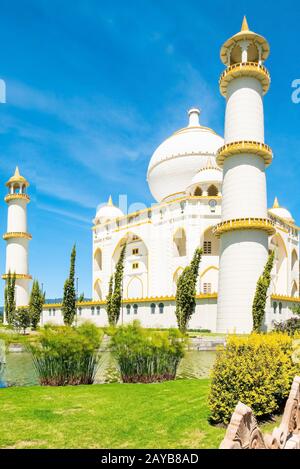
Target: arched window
[
  {"x": 135, "y": 309},
  {"x": 161, "y": 308},
  {"x": 152, "y": 308},
  {"x": 274, "y": 307},
  {"x": 212, "y": 191},
  {"x": 128, "y": 309},
  {"x": 98, "y": 259},
  {"x": 198, "y": 192},
  {"x": 179, "y": 242},
  {"x": 79, "y": 311},
  {"x": 97, "y": 289},
  {"x": 280, "y": 308},
  {"x": 93, "y": 310},
  {"x": 98, "y": 310}
]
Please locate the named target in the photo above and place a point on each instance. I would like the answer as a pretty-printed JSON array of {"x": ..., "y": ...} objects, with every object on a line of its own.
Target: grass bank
[{"x": 166, "y": 415}]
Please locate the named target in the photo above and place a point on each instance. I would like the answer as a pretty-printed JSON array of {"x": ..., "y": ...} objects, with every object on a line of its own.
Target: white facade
[
  {"x": 17, "y": 239},
  {"x": 210, "y": 192}
]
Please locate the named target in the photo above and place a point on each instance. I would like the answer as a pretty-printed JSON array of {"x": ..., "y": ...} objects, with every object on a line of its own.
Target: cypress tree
[
  {"x": 10, "y": 298},
  {"x": 260, "y": 297},
  {"x": 37, "y": 299},
  {"x": 114, "y": 299},
  {"x": 109, "y": 298},
  {"x": 186, "y": 292},
  {"x": 69, "y": 298}
]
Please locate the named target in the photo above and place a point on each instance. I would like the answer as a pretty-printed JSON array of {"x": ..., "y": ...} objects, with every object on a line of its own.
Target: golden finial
[
  {"x": 245, "y": 26},
  {"x": 17, "y": 172},
  {"x": 276, "y": 203},
  {"x": 110, "y": 202}
]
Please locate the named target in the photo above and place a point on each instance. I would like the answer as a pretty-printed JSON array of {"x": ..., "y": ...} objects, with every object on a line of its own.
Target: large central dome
[{"x": 176, "y": 161}]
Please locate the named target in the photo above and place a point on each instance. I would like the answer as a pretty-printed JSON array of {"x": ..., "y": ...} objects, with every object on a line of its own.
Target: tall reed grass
[
  {"x": 64, "y": 355},
  {"x": 146, "y": 356}
]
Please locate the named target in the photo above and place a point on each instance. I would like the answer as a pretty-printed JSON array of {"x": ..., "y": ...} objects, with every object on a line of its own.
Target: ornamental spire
[
  {"x": 110, "y": 202},
  {"x": 245, "y": 26},
  {"x": 276, "y": 203}
]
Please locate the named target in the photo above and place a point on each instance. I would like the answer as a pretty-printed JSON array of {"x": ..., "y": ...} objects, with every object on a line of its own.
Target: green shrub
[
  {"x": 145, "y": 356},
  {"x": 256, "y": 370},
  {"x": 290, "y": 326},
  {"x": 65, "y": 355}
]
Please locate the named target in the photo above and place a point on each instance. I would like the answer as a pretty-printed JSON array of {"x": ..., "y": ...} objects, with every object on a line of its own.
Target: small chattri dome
[
  {"x": 208, "y": 175},
  {"x": 281, "y": 212},
  {"x": 178, "y": 159},
  {"x": 107, "y": 212}
]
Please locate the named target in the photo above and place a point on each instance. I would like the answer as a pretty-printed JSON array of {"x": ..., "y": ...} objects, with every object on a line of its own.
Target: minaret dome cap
[{"x": 17, "y": 178}]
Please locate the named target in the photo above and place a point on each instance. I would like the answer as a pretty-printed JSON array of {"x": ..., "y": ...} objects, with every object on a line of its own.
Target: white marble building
[{"x": 211, "y": 192}]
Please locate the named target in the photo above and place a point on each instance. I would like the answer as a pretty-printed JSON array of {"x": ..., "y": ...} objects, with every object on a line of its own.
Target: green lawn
[{"x": 166, "y": 415}]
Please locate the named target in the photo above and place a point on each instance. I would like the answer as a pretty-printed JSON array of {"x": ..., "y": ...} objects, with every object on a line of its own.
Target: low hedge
[
  {"x": 290, "y": 326},
  {"x": 257, "y": 370}
]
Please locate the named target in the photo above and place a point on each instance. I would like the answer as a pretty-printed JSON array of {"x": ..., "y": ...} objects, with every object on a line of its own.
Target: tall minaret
[
  {"x": 245, "y": 226},
  {"x": 17, "y": 237}
]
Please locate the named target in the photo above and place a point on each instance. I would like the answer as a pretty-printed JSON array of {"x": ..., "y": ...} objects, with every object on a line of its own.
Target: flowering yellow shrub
[{"x": 257, "y": 370}]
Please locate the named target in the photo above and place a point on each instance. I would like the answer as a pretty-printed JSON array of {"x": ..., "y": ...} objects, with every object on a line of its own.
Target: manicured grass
[{"x": 166, "y": 415}]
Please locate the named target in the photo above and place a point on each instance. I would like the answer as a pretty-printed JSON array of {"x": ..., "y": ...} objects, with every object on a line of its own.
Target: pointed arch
[
  {"x": 179, "y": 243},
  {"x": 98, "y": 259},
  {"x": 212, "y": 191},
  {"x": 294, "y": 290},
  {"x": 211, "y": 267},
  {"x": 209, "y": 242},
  {"x": 176, "y": 276},
  {"x": 98, "y": 289},
  {"x": 209, "y": 279},
  {"x": 294, "y": 258},
  {"x": 279, "y": 272},
  {"x": 135, "y": 288},
  {"x": 135, "y": 262}
]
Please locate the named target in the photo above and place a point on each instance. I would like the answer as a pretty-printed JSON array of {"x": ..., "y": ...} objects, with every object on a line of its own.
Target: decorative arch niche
[
  {"x": 179, "y": 243},
  {"x": 277, "y": 245}
]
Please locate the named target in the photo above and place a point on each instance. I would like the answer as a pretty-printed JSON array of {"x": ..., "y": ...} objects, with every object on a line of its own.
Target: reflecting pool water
[{"x": 19, "y": 369}]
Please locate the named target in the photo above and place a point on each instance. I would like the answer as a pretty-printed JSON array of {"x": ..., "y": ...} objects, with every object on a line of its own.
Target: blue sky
[{"x": 93, "y": 87}]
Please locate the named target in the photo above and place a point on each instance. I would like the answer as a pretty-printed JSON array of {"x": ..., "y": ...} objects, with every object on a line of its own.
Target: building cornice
[
  {"x": 245, "y": 69},
  {"x": 291, "y": 299},
  {"x": 245, "y": 146},
  {"x": 244, "y": 224},
  {"x": 17, "y": 234},
  {"x": 152, "y": 299}
]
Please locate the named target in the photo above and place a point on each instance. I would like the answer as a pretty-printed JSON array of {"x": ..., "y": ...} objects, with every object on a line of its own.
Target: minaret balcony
[
  {"x": 17, "y": 234},
  {"x": 18, "y": 276},
  {"x": 245, "y": 146},
  {"x": 245, "y": 224},
  {"x": 19, "y": 196},
  {"x": 245, "y": 69}
]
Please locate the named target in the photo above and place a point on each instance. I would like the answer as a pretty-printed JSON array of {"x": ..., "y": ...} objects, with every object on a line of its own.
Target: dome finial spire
[
  {"x": 245, "y": 26},
  {"x": 194, "y": 114},
  {"x": 17, "y": 172},
  {"x": 110, "y": 202},
  {"x": 276, "y": 203}
]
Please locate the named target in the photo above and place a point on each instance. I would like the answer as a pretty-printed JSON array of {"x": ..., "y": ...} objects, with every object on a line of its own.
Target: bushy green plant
[
  {"x": 10, "y": 298},
  {"x": 145, "y": 356},
  {"x": 64, "y": 355},
  {"x": 290, "y": 326},
  {"x": 257, "y": 370}
]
